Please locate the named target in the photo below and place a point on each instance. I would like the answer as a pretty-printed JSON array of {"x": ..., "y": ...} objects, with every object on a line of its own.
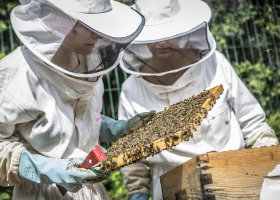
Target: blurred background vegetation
[{"x": 247, "y": 32}]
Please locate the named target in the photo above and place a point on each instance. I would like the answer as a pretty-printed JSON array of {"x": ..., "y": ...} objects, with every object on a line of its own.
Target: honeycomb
[{"x": 162, "y": 130}]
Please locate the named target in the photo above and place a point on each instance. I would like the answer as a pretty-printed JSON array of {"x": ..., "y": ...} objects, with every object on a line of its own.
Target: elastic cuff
[
  {"x": 264, "y": 138},
  {"x": 13, "y": 175}
]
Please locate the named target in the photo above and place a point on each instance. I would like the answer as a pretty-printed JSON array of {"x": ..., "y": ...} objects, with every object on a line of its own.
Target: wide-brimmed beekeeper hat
[
  {"x": 186, "y": 20},
  {"x": 82, "y": 39},
  {"x": 167, "y": 19}
]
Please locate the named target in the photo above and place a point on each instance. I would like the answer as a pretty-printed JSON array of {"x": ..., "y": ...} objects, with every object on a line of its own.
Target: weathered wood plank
[
  {"x": 225, "y": 175},
  {"x": 240, "y": 174},
  {"x": 184, "y": 177}
]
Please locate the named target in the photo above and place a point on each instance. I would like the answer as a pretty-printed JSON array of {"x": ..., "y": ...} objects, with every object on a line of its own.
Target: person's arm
[
  {"x": 125, "y": 109},
  {"x": 17, "y": 164},
  {"x": 111, "y": 130},
  {"x": 136, "y": 177},
  {"x": 9, "y": 163},
  {"x": 10, "y": 149},
  {"x": 64, "y": 172},
  {"x": 248, "y": 112}
]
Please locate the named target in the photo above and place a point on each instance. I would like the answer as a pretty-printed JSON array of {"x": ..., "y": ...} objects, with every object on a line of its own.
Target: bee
[
  {"x": 183, "y": 116},
  {"x": 139, "y": 76}
]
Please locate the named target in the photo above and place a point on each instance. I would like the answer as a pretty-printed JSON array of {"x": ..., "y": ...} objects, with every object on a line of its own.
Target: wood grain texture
[
  {"x": 184, "y": 177},
  {"x": 161, "y": 144},
  {"x": 240, "y": 174},
  {"x": 224, "y": 176}
]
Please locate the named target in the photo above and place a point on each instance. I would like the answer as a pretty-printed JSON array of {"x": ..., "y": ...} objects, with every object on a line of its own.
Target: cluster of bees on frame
[{"x": 137, "y": 143}]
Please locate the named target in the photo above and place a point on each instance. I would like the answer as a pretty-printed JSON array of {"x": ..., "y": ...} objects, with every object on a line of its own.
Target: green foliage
[
  {"x": 114, "y": 184},
  {"x": 244, "y": 32},
  {"x": 243, "y": 29},
  {"x": 274, "y": 121},
  {"x": 6, "y": 193},
  {"x": 259, "y": 79},
  {"x": 6, "y": 6},
  {"x": 127, "y": 2},
  {"x": 2, "y": 55}
]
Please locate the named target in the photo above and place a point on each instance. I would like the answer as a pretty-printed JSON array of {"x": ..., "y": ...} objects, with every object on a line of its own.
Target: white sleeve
[
  {"x": 248, "y": 112},
  {"x": 9, "y": 162},
  {"x": 11, "y": 118},
  {"x": 266, "y": 137},
  {"x": 125, "y": 110},
  {"x": 136, "y": 178}
]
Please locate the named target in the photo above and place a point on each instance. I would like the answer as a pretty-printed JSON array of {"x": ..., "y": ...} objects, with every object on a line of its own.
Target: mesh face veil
[
  {"x": 67, "y": 43},
  {"x": 85, "y": 51},
  {"x": 179, "y": 52}
]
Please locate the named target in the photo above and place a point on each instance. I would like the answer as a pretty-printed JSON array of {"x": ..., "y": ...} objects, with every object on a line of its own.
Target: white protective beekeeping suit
[
  {"x": 50, "y": 102},
  {"x": 235, "y": 122}
]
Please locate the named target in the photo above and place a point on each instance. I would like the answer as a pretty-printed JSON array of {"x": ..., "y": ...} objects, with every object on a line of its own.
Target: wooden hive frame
[{"x": 161, "y": 144}]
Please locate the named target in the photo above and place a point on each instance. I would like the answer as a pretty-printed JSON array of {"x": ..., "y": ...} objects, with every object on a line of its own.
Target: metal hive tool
[{"x": 162, "y": 130}]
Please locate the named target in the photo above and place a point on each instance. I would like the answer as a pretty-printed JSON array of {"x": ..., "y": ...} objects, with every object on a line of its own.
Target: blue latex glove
[
  {"x": 139, "y": 196},
  {"x": 64, "y": 172},
  {"x": 111, "y": 130}
]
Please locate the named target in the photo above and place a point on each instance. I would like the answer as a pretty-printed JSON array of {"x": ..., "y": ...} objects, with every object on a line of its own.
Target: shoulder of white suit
[{"x": 10, "y": 66}]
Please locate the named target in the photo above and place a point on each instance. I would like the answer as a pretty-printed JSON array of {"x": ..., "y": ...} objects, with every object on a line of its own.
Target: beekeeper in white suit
[
  {"x": 51, "y": 95},
  {"x": 176, "y": 58}
]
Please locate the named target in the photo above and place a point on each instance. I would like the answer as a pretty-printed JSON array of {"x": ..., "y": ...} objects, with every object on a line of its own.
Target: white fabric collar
[
  {"x": 71, "y": 87},
  {"x": 191, "y": 77}
]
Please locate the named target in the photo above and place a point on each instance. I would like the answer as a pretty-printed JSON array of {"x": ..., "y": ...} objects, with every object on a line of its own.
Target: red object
[{"x": 95, "y": 156}]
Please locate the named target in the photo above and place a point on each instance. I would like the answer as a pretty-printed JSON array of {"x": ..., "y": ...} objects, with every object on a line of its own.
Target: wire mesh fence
[{"x": 247, "y": 32}]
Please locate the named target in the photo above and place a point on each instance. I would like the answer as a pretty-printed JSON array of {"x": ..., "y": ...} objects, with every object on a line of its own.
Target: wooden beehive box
[{"x": 227, "y": 175}]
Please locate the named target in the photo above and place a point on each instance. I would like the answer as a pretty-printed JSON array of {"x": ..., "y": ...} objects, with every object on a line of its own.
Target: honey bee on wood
[{"x": 138, "y": 142}]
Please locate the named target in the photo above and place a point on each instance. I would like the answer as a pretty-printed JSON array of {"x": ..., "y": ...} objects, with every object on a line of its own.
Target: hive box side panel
[
  {"x": 227, "y": 175},
  {"x": 183, "y": 182},
  {"x": 240, "y": 174}
]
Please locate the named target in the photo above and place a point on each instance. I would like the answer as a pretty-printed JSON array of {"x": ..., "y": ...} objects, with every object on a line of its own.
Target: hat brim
[
  {"x": 15, "y": 21},
  {"x": 129, "y": 71},
  {"x": 121, "y": 21},
  {"x": 193, "y": 13}
]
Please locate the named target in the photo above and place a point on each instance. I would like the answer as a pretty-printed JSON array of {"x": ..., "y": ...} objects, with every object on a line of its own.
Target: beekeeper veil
[
  {"x": 82, "y": 39},
  {"x": 183, "y": 20}
]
